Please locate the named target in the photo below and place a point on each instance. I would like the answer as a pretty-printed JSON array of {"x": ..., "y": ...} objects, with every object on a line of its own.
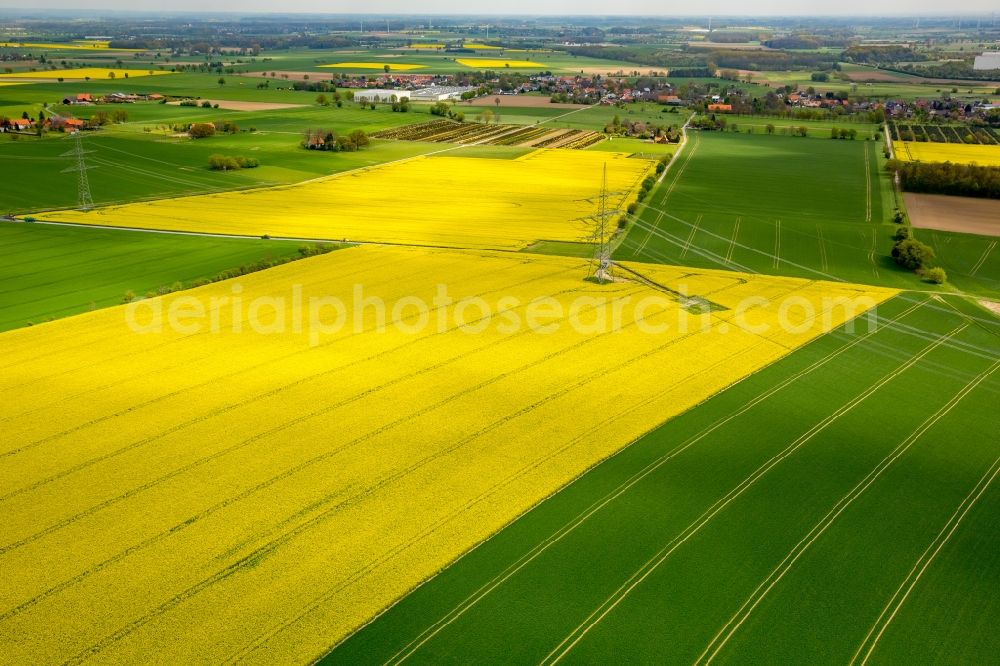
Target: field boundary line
[
  {"x": 918, "y": 571},
  {"x": 620, "y": 490},
  {"x": 472, "y": 502},
  {"x": 643, "y": 572},
  {"x": 244, "y": 190},
  {"x": 689, "y": 155},
  {"x": 263, "y": 551},
  {"x": 680, "y": 149},
  {"x": 771, "y": 580}
]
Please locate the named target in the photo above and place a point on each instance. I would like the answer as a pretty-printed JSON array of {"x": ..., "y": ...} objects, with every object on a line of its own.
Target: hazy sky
[{"x": 534, "y": 7}]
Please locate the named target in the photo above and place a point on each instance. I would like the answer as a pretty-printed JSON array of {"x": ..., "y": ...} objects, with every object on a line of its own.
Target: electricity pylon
[
  {"x": 83, "y": 197},
  {"x": 602, "y": 232}
]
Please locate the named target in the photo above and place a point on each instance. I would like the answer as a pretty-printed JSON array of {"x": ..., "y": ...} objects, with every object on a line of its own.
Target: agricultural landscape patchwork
[{"x": 605, "y": 340}]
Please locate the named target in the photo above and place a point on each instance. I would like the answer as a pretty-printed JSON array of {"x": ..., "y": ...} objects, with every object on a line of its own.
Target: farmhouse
[
  {"x": 381, "y": 95},
  {"x": 82, "y": 98},
  {"x": 19, "y": 124},
  {"x": 439, "y": 93},
  {"x": 66, "y": 124}
]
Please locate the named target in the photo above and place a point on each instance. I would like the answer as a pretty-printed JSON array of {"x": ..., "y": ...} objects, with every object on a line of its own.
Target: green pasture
[
  {"x": 815, "y": 128},
  {"x": 786, "y": 206},
  {"x": 143, "y": 158},
  {"x": 780, "y": 521},
  {"x": 635, "y": 146},
  {"x": 129, "y": 166},
  {"x": 888, "y": 89},
  {"x": 48, "y": 272}
]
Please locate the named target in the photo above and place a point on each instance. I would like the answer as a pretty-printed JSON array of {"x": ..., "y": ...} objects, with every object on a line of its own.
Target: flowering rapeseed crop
[
  {"x": 228, "y": 491},
  {"x": 98, "y": 73},
  {"x": 487, "y": 63},
  {"x": 957, "y": 153},
  {"x": 441, "y": 201},
  {"x": 373, "y": 65}
]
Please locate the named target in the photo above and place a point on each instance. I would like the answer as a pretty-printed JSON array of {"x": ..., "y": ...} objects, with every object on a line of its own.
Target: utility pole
[{"x": 83, "y": 197}]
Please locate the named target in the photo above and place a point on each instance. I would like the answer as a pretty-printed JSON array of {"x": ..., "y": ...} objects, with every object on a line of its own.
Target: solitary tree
[{"x": 222, "y": 81}]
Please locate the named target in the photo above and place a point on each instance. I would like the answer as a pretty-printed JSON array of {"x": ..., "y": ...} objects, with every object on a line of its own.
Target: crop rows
[
  {"x": 446, "y": 131},
  {"x": 523, "y": 136},
  {"x": 943, "y": 134}
]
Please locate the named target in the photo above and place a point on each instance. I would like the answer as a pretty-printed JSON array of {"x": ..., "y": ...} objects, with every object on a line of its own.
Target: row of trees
[
  {"x": 947, "y": 178},
  {"x": 231, "y": 163},
  {"x": 329, "y": 140}
]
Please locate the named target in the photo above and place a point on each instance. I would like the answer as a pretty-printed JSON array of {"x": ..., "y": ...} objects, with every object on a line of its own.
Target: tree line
[{"x": 947, "y": 178}]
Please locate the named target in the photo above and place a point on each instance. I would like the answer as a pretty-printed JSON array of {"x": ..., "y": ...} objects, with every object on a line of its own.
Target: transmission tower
[
  {"x": 601, "y": 233},
  {"x": 83, "y": 197}
]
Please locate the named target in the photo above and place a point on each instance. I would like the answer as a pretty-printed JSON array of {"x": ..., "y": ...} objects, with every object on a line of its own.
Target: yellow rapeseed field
[
  {"x": 487, "y": 63},
  {"x": 957, "y": 153},
  {"x": 440, "y": 200},
  {"x": 97, "y": 73},
  {"x": 77, "y": 45},
  {"x": 223, "y": 490},
  {"x": 374, "y": 65}
]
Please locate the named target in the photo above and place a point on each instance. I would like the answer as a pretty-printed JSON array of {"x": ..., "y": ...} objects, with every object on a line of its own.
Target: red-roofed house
[{"x": 720, "y": 108}]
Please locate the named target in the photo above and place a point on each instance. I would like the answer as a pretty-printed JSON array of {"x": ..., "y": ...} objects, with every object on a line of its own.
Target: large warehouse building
[
  {"x": 439, "y": 93},
  {"x": 381, "y": 95}
]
